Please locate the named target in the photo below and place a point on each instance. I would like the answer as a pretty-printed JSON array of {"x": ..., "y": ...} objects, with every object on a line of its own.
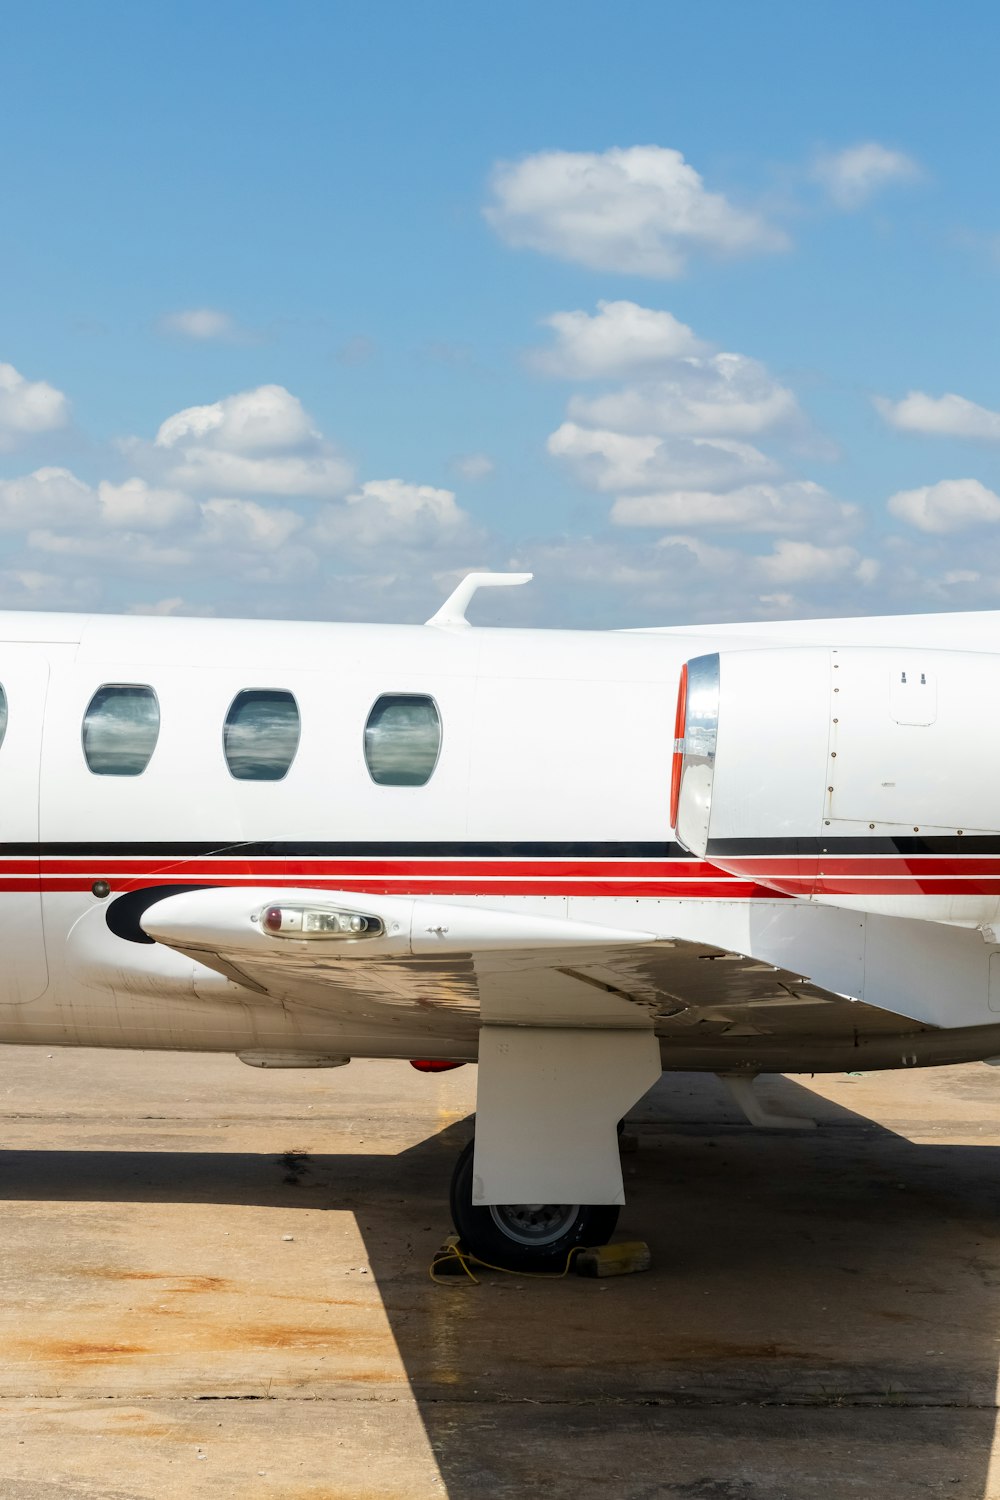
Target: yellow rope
[{"x": 466, "y": 1260}]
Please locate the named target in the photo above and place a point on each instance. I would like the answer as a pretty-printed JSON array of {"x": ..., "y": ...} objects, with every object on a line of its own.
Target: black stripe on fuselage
[{"x": 872, "y": 844}]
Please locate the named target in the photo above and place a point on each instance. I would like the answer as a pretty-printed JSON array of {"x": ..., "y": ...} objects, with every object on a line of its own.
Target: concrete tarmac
[{"x": 214, "y": 1283}]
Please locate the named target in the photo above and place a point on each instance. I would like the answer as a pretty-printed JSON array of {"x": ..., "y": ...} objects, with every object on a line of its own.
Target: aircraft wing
[{"x": 447, "y": 969}]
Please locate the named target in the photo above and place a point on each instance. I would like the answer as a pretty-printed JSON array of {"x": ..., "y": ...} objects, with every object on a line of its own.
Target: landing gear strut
[{"x": 525, "y": 1236}]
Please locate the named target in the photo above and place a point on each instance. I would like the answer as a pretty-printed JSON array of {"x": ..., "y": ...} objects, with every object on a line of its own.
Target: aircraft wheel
[{"x": 525, "y": 1236}]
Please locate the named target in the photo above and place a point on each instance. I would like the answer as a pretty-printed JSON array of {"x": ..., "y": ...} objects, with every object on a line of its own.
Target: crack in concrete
[{"x": 803, "y": 1403}]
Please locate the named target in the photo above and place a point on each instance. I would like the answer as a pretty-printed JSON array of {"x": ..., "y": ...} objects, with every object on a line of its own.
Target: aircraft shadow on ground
[{"x": 841, "y": 1267}]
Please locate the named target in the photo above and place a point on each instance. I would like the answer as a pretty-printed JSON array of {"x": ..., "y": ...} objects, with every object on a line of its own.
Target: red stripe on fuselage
[
  {"x": 863, "y": 864},
  {"x": 673, "y": 878},
  {"x": 720, "y": 888},
  {"x": 364, "y": 866},
  {"x": 870, "y": 874},
  {"x": 743, "y": 877}
]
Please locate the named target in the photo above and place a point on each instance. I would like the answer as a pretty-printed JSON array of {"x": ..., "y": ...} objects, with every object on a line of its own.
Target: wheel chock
[
  {"x": 614, "y": 1260},
  {"x": 448, "y": 1260}
]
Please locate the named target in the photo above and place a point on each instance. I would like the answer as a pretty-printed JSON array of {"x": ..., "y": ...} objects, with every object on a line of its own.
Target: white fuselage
[{"x": 550, "y": 795}]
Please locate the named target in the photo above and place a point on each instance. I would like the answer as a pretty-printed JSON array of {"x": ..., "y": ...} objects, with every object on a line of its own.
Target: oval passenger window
[
  {"x": 402, "y": 739},
  {"x": 261, "y": 734},
  {"x": 120, "y": 729},
  {"x": 3, "y": 713}
]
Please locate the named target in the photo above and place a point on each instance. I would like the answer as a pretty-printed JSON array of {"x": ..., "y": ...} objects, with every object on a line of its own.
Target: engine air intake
[{"x": 696, "y": 730}]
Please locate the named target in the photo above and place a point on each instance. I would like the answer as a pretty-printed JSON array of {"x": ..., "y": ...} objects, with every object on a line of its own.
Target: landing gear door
[{"x": 24, "y": 675}]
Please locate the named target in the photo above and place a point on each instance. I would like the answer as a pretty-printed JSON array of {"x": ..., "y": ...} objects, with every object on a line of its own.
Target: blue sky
[{"x": 333, "y": 236}]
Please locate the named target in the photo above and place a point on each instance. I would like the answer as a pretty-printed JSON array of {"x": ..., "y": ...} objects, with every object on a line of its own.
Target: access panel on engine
[{"x": 913, "y": 741}]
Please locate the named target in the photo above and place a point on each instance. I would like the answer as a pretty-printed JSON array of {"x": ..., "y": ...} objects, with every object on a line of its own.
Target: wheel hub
[{"x": 534, "y": 1223}]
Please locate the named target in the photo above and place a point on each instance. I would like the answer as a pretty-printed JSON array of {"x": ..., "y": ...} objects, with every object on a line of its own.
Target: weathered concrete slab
[
  {"x": 321, "y": 1451},
  {"x": 214, "y": 1282}
]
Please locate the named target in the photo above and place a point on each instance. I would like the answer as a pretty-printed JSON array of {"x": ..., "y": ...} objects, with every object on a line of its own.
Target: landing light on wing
[{"x": 319, "y": 922}]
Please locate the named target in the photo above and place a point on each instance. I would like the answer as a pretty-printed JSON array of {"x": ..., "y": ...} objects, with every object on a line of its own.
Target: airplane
[{"x": 577, "y": 858}]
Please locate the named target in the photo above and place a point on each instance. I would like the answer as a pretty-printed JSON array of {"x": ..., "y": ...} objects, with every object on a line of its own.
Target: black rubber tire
[{"x": 479, "y": 1232}]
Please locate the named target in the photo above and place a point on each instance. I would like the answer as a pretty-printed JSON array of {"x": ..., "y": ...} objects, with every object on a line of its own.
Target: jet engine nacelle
[{"x": 863, "y": 777}]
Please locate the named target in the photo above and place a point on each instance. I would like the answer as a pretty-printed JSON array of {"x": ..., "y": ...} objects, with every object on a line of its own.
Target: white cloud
[
  {"x": 134, "y": 524},
  {"x": 941, "y": 416},
  {"x": 392, "y": 512},
  {"x": 672, "y": 445},
  {"x": 136, "y": 505},
  {"x": 403, "y": 502},
  {"x": 320, "y": 477},
  {"x": 268, "y": 419},
  {"x": 28, "y": 407},
  {"x": 235, "y": 529},
  {"x": 725, "y": 394},
  {"x": 121, "y": 547},
  {"x": 28, "y": 588},
  {"x": 258, "y": 442},
  {"x": 243, "y": 524},
  {"x": 682, "y": 578},
  {"x": 204, "y": 499},
  {"x": 620, "y": 339},
  {"x": 787, "y": 562},
  {"x": 55, "y": 497},
  {"x": 473, "y": 466},
  {"x": 798, "y": 505},
  {"x": 961, "y": 575},
  {"x": 261, "y": 558},
  {"x": 641, "y": 209},
  {"x": 661, "y": 582},
  {"x": 853, "y": 176},
  {"x": 950, "y": 505},
  {"x": 203, "y": 325},
  {"x": 615, "y": 461},
  {"x": 174, "y": 604},
  {"x": 49, "y": 496},
  {"x": 221, "y": 502},
  {"x": 803, "y": 562}
]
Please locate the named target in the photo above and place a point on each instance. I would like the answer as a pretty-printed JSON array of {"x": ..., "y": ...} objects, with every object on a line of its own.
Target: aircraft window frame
[
  {"x": 382, "y": 780},
  {"x": 4, "y": 714},
  {"x": 91, "y": 751},
  {"x": 284, "y": 694}
]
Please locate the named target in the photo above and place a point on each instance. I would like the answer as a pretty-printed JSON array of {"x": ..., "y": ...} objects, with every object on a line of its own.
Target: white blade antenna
[{"x": 452, "y": 611}]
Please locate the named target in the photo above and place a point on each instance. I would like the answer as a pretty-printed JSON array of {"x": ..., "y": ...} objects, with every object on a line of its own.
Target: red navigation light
[{"x": 680, "y": 727}]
